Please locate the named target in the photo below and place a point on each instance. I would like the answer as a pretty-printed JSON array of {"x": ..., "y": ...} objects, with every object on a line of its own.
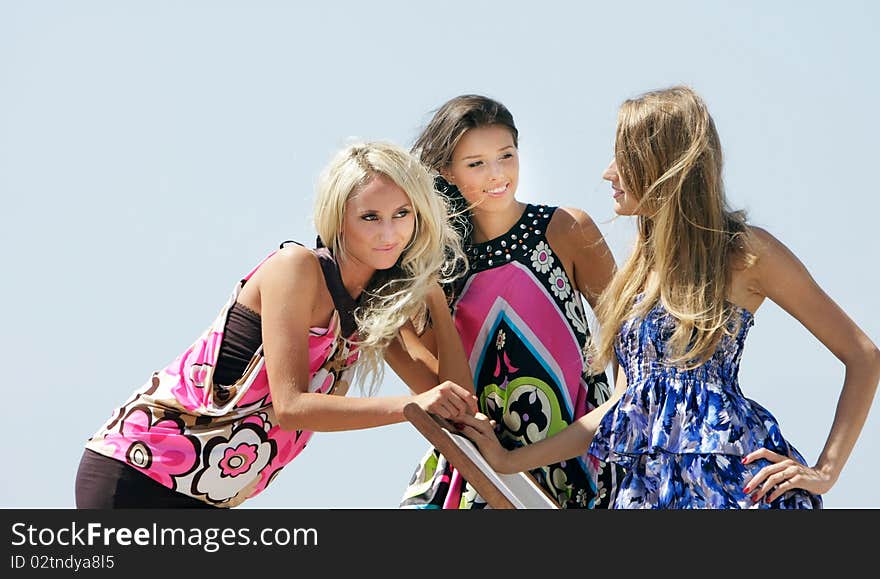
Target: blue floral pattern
[{"x": 681, "y": 433}]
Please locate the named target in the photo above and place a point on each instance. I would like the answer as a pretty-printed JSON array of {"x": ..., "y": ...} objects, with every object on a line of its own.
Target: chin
[
  {"x": 386, "y": 263},
  {"x": 622, "y": 211}
]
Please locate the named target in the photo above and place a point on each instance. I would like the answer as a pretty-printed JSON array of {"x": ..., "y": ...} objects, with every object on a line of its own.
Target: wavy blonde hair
[
  {"x": 433, "y": 254},
  {"x": 668, "y": 157}
]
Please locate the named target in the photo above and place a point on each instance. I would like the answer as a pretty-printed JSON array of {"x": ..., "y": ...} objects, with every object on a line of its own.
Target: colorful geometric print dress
[
  {"x": 523, "y": 327},
  {"x": 222, "y": 444},
  {"x": 681, "y": 434}
]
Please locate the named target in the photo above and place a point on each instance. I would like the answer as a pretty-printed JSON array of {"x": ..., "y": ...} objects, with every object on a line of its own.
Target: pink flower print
[
  {"x": 542, "y": 257},
  {"x": 258, "y": 392},
  {"x": 499, "y": 341},
  {"x": 160, "y": 449},
  {"x": 214, "y": 480},
  {"x": 559, "y": 284},
  {"x": 198, "y": 373},
  {"x": 187, "y": 391},
  {"x": 260, "y": 420},
  {"x": 238, "y": 460},
  {"x": 322, "y": 381},
  {"x": 288, "y": 445},
  {"x": 191, "y": 371}
]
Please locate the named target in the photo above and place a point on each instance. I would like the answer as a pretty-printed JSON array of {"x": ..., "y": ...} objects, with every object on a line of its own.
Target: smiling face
[
  {"x": 378, "y": 224},
  {"x": 625, "y": 203},
  {"x": 485, "y": 168}
]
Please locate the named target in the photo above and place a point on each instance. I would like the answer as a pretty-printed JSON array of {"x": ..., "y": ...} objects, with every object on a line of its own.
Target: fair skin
[
  {"x": 485, "y": 169},
  {"x": 779, "y": 276},
  {"x": 290, "y": 295}
]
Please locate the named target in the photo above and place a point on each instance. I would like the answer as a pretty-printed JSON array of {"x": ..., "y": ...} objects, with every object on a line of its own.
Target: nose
[
  {"x": 495, "y": 171},
  {"x": 386, "y": 231},
  {"x": 390, "y": 231},
  {"x": 610, "y": 173}
]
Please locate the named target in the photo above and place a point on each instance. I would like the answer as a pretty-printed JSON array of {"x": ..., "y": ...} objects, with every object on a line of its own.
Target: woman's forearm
[
  {"x": 452, "y": 360},
  {"x": 327, "y": 412},
  {"x": 570, "y": 442},
  {"x": 856, "y": 397}
]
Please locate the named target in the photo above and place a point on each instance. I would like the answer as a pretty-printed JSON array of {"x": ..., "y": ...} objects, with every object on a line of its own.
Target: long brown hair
[
  {"x": 668, "y": 157},
  {"x": 452, "y": 120}
]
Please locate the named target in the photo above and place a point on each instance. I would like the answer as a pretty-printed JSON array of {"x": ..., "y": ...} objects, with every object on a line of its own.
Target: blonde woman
[
  {"x": 676, "y": 316},
  {"x": 214, "y": 427}
]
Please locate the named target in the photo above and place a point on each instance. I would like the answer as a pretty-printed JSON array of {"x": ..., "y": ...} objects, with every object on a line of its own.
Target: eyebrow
[
  {"x": 478, "y": 156},
  {"x": 404, "y": 206}
]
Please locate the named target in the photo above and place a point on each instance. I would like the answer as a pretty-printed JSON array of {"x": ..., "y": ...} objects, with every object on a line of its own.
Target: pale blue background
[{"x": 152, "y": 152}]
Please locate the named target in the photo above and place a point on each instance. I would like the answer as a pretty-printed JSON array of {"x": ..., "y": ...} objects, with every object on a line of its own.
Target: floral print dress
[
  {"x": 219, "y": 444},
  {"x": 524, "y": 329},
  {"x": 681, "y": 434}
]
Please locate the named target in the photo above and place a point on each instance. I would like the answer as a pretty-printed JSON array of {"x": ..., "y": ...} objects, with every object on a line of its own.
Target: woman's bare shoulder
[{"x": 290, "y": 263}]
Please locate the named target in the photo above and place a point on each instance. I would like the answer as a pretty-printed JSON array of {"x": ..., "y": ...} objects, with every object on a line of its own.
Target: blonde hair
[
  {"x": 668, "y": 157},
  {"x": 433, "y": 254}
]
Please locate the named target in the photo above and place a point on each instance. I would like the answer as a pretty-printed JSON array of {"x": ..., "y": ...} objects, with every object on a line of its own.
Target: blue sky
[{"x": 152, "y": 153}]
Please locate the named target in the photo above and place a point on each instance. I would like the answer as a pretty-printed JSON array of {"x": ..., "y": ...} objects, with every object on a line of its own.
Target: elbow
[
  {"x": 874, "y": 357},
  {"x": 869, "y": 354},
  {"x": 287, "y": 421},
  {"x": 289, "y": 416},
  {"x": 864, "y": 357},
  {"x": 867, "y": 361}
]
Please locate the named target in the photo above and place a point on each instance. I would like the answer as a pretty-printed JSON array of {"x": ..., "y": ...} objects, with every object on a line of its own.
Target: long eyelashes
[
  {"x": 374, "y": 217},
  {"x": 503, "y": 157}
]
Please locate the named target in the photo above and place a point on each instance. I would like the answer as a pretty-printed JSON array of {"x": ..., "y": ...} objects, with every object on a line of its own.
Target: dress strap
[{"x": 342, "y": 300}]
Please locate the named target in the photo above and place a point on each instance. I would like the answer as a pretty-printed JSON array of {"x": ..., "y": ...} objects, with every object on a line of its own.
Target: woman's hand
[
  {"x": 448, "y": 400},
  {"x": 783, "y": 475},
  {"x": 481, "y": 431}
]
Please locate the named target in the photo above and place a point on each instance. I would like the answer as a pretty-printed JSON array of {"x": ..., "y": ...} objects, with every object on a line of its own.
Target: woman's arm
[
  {"x": 289, "y": 284},
  {"x": 782, "y": 278},
  {"x": 584, "y": 253},
  {"x": 581, "y": 246},
  {"x": 570, "y": 442},
  {"x": 436, "y": 356}
]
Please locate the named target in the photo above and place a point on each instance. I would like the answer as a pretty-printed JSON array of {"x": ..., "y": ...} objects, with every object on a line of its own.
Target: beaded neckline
[{"x": 531, "y": 225}]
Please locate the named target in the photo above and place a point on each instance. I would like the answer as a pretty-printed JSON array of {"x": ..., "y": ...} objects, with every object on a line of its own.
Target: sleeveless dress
[
  {"x": 523, "y": 328},
  {"x": 681, "y": 434},
  {"x": 222, "y": 444}
]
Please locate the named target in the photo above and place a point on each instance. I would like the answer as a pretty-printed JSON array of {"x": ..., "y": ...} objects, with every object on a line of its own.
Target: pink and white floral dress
[{"x": 218, "y": 444}]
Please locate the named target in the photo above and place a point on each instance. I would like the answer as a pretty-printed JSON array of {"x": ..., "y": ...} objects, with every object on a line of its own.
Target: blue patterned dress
[{"x": 681, "y": 434}]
